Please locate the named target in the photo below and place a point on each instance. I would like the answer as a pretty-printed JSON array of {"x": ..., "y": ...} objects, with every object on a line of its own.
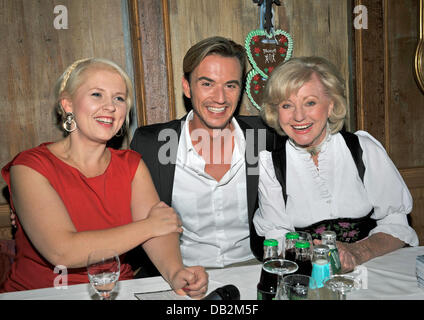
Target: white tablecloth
[
  {"x": 392, "y": 276},
  {"x": 388, "y": 277}
]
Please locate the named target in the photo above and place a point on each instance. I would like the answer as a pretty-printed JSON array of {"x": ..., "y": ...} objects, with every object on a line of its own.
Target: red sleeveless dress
[{"x": 93, "y": 204}]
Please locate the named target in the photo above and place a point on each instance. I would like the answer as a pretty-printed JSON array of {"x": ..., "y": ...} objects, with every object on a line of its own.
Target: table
[{"x": 391, "y": 276}]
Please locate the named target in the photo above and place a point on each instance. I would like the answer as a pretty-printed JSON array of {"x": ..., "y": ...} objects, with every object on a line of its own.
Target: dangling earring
[
  {"x": 120, "y": 133},
  {"x": 69, "y": 125}
]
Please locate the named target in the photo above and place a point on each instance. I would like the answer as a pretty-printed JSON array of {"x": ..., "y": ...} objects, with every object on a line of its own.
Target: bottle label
[
  {"x": 320, "y": 272},
  {"x": 335, "y": 261}
]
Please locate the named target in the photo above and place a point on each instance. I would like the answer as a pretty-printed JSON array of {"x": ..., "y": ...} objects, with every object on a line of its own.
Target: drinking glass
[
  {"x": 341, "y": 285},
  {"x": 103, "y": 269},
  {"x": 297, "y": 287},
  {"x": 280, "y": 267}
]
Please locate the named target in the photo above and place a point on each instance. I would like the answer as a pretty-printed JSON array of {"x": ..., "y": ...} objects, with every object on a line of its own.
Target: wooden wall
[
  {"x": 389, "y": 101},
  {"x": 404, "y": 114},
  {"x": 34, "y": 54},
  {"x": 152, "y": 59},
  {"x": 317, "y": 27}
]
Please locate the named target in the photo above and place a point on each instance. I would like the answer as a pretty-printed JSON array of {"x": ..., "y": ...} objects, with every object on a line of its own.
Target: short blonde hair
[
  {"x": 290, "y": 76},
  {"x": 73, "y": 76}
]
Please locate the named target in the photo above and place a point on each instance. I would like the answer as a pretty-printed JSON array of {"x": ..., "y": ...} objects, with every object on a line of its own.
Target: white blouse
[{"x": 333, "y": 190}]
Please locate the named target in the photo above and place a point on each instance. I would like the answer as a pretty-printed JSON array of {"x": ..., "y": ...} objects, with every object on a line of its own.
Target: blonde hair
[
  {"x": 72, "y": 78},
  {"x": 290, "y": 76}
]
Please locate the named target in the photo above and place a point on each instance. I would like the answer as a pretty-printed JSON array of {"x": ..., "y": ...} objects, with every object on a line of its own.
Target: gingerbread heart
[
  {"x": 266, "y": 51},
  {"x": 255, "y": 85}
]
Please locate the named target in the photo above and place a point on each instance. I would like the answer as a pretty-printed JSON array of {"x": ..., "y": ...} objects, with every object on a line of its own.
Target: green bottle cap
[
  {"x": 292, "y": 235},
  {"x": 270, "y": 242},
  {"x": 302, "y": 244}
]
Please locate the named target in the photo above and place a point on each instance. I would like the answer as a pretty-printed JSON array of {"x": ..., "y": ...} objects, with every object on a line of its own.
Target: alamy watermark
[
  {"x": 216, "y": 149},
  {"x": 61, "y": 20},
  {"x": 361, "y": 18},
  {"x": 61, "y": 281}
]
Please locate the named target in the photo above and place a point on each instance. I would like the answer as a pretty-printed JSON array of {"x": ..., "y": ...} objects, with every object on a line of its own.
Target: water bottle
[
  {"x": 303, "y": 257},
  {"x": 289, "y": 247},
  {"x": 329, "y": 239},
  {"x": 270, "y": 249},
  {"x": 321, "y": 268},
  {"x": 267, "y": 286}
]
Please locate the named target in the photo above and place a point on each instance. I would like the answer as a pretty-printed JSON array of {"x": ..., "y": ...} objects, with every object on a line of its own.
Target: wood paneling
[
  {"x": 389, "y": 102},
  {"x": 405, "y": 114},
  {"x": 194, "y": 20},
  {"x": 417, "y": 216},
  {"x": 151, "y": 52},
  {"x": 137, "y": 55},
  {"x": 370, "y": 64},
  {"x": 414, "y": 179},
  {"x": 317, "y": 27},
  {"x": 322, "y": 28},
  {"x": 34, "y": 54}
]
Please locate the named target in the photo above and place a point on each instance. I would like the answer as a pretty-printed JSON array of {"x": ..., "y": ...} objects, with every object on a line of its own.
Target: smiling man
[
  {"x": 207, "y": 178},
  {"x": 214, "y": 88}
]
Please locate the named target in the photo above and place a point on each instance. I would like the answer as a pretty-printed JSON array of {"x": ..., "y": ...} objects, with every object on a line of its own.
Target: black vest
[{"x": 347, "y": 229}]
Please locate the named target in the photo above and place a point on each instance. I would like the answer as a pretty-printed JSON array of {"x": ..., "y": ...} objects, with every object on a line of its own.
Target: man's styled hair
[{"x": 213, "y": 45}]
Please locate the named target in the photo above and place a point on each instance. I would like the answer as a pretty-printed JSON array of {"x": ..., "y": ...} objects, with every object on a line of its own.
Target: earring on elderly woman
[{"x": 69, "y": 124}]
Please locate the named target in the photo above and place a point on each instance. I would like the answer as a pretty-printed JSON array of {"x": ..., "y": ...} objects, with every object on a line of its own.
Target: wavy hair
[
  {"x": 290, "y": 76},
  {"x": 73, "y": 76}
]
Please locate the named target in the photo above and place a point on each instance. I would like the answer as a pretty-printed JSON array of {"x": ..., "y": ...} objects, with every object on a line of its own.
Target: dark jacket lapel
[{"x": 166, "y": 172}]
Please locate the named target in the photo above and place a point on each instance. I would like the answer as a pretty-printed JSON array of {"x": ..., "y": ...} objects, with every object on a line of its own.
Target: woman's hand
[
  {"x": 163, "y": 220},
  {"x": 348, "y": 255},
  {"x": 353, "y": 254},
  {"x": 191, "y": 281}
]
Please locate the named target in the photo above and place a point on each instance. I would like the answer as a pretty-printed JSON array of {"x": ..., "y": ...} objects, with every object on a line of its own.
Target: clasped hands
[{"x": 191, "y": 281}]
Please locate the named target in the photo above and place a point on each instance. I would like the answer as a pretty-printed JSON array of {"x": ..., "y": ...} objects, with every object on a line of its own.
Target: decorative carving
[{"x": 419, "y": 53}]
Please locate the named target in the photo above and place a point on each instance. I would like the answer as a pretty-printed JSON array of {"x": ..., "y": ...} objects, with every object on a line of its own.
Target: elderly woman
[{"x": 323, "y": 178}]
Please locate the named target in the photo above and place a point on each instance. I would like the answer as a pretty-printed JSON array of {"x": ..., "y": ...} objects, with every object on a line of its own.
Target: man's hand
[{"x": 191, "y": 281}]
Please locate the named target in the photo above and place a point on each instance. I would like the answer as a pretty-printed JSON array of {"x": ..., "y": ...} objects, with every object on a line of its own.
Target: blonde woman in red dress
[{"x": 77, "y": 195}]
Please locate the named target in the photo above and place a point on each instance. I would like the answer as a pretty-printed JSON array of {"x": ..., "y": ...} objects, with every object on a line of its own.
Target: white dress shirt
[
  {"x": 334, "y": 190},
  {"x": 214, "y": 214}
]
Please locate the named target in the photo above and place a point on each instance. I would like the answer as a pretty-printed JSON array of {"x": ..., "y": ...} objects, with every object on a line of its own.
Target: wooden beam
[
  {"x": 151, "y": 41},
  {"x": 168, "y": 56},
  {"x": 139, "y": 89}
]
